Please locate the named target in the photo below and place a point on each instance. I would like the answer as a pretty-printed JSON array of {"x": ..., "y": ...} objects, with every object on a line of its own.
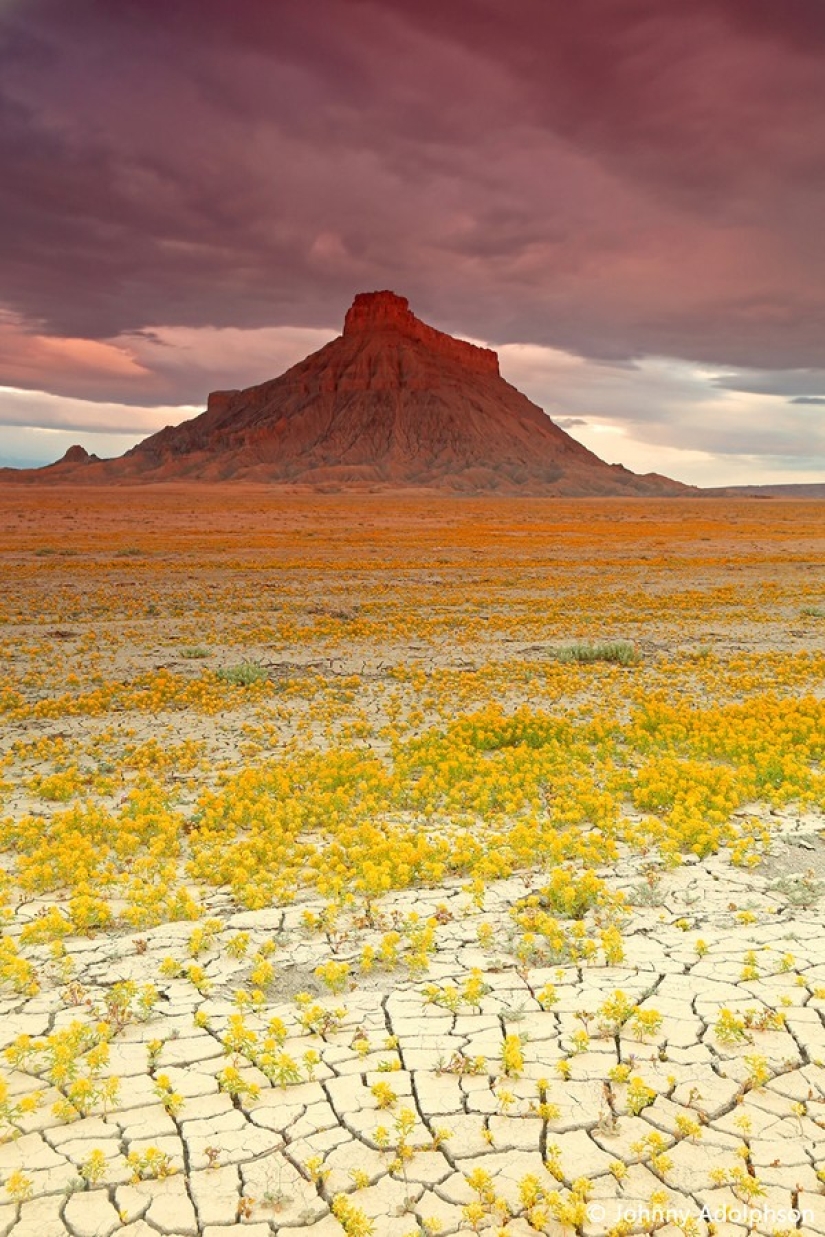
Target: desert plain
[{"x": 392, "y": 864}]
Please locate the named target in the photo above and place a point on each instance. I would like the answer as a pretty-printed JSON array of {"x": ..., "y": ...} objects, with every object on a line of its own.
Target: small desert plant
[
  {"x": 798, "y": 890},
  {"x": 813, "y": 611},
  {"x": 195, "y": 652},
  {"x": 149, "y": 1165},
  {"x": 622, "y": 652},
  {"x": 243, "y": 675},
  {"x": 648, "y": 892}
]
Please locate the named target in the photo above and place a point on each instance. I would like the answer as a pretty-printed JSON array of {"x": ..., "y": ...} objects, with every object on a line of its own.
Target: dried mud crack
[{"x": 413, "y": 1112}]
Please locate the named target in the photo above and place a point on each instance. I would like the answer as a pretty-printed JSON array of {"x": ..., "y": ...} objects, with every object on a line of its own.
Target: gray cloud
[
  {"x": 787, "y": 382},
  {"x": 41, "y": 411},
  {"x": 619, "y": 179},
  {"x": 669, "y": 404}
]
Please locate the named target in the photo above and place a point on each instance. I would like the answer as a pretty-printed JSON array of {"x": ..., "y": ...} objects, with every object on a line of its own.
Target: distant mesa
[
  {"x": 71, "y": 466},
  {"x": 391, "y": 403},
  {"x": 76, "y": 455}
]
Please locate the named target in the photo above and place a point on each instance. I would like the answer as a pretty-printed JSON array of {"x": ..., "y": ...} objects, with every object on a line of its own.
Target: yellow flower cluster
[{"x": 414, "y": 719}]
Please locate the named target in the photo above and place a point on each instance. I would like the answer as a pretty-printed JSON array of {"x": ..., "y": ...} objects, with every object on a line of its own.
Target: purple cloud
[{"x": 613, "y": 179}]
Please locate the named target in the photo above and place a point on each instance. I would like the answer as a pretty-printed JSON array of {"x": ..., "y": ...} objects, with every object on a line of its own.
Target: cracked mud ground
[
  {"x": 710, "y": 1104},
  {"x": 670, "y": 1079}
]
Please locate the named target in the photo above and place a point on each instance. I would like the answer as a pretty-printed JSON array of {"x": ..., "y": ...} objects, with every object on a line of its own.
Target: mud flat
[{"x": 400, "y": 865}]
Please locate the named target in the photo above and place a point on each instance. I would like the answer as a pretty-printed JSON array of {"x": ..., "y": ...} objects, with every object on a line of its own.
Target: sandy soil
[{"x": 372, "y": 620}]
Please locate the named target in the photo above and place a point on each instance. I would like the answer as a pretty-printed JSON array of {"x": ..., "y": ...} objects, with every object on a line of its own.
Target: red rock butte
[{"x": 391, "y": 403}]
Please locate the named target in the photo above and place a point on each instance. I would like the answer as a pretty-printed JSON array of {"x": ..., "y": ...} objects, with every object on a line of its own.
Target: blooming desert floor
[{"x": 394, "y": 866}]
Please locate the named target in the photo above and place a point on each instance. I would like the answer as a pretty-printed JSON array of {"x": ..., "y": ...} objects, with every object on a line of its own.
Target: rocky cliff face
[
  {"x": 392, "y": 402},
  {"x": 374, "y": 312}
]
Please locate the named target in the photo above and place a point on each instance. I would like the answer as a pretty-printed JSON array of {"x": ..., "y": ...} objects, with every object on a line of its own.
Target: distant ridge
[
  {"x": 801, "y": 489},
  {"x": 391, "y": 403}
]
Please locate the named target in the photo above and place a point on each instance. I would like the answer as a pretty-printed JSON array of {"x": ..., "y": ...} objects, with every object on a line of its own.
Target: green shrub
[
  {"x": 620, "y": 651},
  {"x": 799, "y": 889},
  {"x": 243, "y": 675}
]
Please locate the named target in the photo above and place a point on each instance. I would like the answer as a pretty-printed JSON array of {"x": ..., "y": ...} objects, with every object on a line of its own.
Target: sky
[{"x": 624, "y": 197}]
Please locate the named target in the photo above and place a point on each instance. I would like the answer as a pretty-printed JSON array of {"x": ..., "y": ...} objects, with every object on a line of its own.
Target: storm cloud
[{"x": 187, "y": 182}]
